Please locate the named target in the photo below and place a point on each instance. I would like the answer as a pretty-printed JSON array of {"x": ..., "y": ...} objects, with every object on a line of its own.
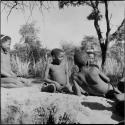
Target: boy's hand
[{"x": 58, "y": 85}]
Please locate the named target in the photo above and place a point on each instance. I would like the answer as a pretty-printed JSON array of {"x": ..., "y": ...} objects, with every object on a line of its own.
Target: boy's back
[{"x": 91, "y": 81}]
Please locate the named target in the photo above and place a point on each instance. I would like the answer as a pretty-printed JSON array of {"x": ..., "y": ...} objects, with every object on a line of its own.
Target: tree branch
[
  {"x": 12, "y": 8},
  {"x": 107, "y": 23},
  {"x": 97, "y": 27},
  {"x": 115, "y": 34}
]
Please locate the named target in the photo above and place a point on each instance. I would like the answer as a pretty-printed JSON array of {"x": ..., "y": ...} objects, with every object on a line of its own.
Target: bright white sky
[{"x": 68, "y": 24}]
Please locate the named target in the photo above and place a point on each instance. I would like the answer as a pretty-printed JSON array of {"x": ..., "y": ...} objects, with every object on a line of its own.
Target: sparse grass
[
  {"x": 38, "y": 69},
  {"x": 19, "y": 67},
  {"x": 45, "y": 114},
  {"x": 113, "y": 69},
  {"x": 24, "y": 69}
]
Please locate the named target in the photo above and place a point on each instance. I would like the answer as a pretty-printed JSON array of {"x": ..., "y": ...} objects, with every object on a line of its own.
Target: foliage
[
  {"x": 90, "y": 42},
  {"x": 38, "y": 69},
  {"x": 29, "y": 33},
  {"x": 26, "y": 68},
  {"x": 19, "y": 67},
  {"x": 69, "y": 49},
  {"x": 119, "y": 34},
  {"x": 96, "y": 16},
  {"x": 29, "y": 48},
  {"x": 22, "y": 51}
]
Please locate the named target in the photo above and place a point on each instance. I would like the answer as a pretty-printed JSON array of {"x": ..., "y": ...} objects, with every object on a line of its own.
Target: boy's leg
[
  {"x": 46, "y": 87},
  {"x": 83, "y": 91},
  {"x": 69, "y": 87},
  {"x": 76, "y": 88}
]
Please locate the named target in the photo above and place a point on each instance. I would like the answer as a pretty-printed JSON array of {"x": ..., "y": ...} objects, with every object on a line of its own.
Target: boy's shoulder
[{"x": 94, "y": 69}]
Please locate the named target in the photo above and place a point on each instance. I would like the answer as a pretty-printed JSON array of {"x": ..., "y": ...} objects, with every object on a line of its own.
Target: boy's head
[
  {"x": 57, "y": 55},
  {"x": 5, "y": 42},
  {"x": 80, "y": 58}
]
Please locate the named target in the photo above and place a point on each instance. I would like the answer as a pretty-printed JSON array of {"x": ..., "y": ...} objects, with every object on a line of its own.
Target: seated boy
[
  {"x": 58, "y": 73},
  {"x": 8, "y": 78},
  {"x": 91, "y": 79}
]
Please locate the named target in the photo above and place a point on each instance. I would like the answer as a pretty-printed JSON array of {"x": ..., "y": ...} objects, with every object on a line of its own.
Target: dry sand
[{"x": 30, "y": 106}]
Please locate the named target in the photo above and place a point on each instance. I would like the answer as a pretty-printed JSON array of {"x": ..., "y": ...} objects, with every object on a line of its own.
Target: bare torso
[{"x": 58, "y": 73}]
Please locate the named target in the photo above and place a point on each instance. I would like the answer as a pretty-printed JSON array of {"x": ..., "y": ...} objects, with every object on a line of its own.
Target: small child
[
  {"x": 8, "y": 78},
  {"x": 91, "y": 58},
  {"x": 56, "y": 74},
  {"x": 91, "y": 79}
]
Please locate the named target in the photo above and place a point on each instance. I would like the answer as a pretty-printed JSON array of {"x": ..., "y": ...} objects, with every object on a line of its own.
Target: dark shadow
[
  {"x": 98, "y": 106},
  {"x": 95, "y": 106},
  {"x": 116, "y": 117}
]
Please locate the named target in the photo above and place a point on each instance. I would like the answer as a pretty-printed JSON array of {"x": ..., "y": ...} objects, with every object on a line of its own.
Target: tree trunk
[{"x": 104, "y": 54}]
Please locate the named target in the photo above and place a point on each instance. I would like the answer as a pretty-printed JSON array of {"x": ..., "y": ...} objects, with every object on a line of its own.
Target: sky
[{"x": 57, "y": 26}]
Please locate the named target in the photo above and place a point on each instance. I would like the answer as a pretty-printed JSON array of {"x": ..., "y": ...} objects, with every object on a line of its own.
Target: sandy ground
[{"x": 30, "y": 106}]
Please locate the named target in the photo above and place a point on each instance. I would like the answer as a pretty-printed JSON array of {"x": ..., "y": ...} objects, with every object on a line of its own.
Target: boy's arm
[{"x": 104, "y": 77}]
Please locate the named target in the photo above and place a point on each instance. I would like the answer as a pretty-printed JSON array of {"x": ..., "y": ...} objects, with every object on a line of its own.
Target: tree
[
  {"x": 28, "y": 33},
  {"x": 96, "y": 16},
  {"x": 90, "y": 42},
  {"x": 119, "y": 34},
  {"x": 69, "y": 49},
  {"x": 22, "y": 5},
  {"x": 29, "y": 48}
]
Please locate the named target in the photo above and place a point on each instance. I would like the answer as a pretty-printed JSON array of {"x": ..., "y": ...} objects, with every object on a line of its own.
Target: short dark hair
[
  {"x": 56, "y": 52},
  {"x": 4, "y": 38},
  {"x": 80, "y": 58}
]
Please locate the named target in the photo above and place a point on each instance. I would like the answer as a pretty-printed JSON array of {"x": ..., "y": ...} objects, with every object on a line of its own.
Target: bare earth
[{"x": 30, "y": 106}]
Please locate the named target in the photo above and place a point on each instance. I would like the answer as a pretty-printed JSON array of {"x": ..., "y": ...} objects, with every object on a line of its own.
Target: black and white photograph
[{"x": 62, "y": 62}]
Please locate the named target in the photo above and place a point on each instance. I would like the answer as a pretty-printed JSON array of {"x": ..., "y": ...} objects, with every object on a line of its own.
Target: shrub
[{"x": 19, "y": 67}]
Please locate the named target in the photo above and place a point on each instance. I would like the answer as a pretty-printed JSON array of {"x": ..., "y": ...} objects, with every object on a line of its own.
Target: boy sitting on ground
[
  {"x": 58, "y": 73},
  {"x": 8, "y": 78},
  {"x": 91, "y": 79}
]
